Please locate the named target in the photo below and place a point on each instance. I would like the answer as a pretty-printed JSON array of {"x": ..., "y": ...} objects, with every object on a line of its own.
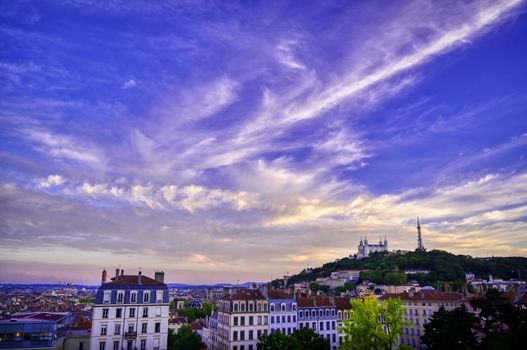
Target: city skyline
[{"x": 225, "y": 142}]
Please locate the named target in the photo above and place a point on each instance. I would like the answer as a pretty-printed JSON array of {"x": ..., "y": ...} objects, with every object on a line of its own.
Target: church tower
[{"x": 420, "y": 246}]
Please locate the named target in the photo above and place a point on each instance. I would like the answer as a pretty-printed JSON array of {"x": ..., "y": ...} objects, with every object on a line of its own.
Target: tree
[
  {"x": 455, "y": 329},
  {"x": 309, "y": 340},
  {"x": 304, "y": 339},
  {"x": 184, "y": 339},
  {"x": 278, "y": 341},
  {"x": 364, "y": 331}
]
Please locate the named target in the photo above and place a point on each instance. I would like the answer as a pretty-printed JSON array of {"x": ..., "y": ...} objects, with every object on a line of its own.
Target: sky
[{"x": 225, "y": 141}]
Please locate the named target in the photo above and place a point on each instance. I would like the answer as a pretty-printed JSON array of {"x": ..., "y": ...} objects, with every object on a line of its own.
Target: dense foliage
[
  {"x": 303, "y": 339},
  {"x": 499, "y": 325},
  {"x": 184, "y": 339},
  {"x": 193, "y": 314},
  {"x": 386, "y": 268},
  {"x": 364, "y": 331}
]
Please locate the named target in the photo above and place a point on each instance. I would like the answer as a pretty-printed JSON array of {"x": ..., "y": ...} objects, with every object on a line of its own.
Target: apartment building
[
  {"x": 282, "y": 312},
  {"x": 243, "y": 317},
  {"x": 130, "y": 312},
  {"x": 319, "y": 314},
  {"x": 343, "y": 306},
  {"x": 419, "y": 308}
]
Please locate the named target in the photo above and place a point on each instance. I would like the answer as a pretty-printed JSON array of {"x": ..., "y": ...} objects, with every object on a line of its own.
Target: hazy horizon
[{"x": 229, "y": 141}]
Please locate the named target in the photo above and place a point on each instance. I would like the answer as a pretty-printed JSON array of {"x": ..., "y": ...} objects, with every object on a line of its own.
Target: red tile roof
[
  {"x": 132, "y": 280},
  {"x": 279, "y": 294},
  {"x": 313, "y": 302},
  {"x": 248, "y": 294},
  {"x": 342, "y": 303},
  {"x": 432, "y": 296}
]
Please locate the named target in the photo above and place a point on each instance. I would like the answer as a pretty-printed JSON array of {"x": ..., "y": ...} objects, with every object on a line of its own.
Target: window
[
  {"x": 102, "y": 345},
  {"x": 235, "y": 336},
  {"x": 272, "y": 319},
  {"x": 116, "y": 345},
  {"x": 144, "y": 327},
  {"x": 313, "y": 313},
  {"x": 333, "y": 326},
  {"x": 120, "y": 296},
  {"x": 321, "y": 326},
  {"x": 320, "y": 313},
  {"x": 159, "y": 296},
  {"x": 158, "y": 311},
  {"x": 250, "y": 347},
  {"x": 250, "y": 335},
  {"x": 81, "y": 345},
  {"x": 327, "y": 312},
  {"x": 242, "y": 321},
  {"x": 282, "y": 307},
  {"x": 143, "y": 344},
  {"x": 145, "y": 312},
  {"x": 117, "y": 329},
  {"x": 146, "y": 297},
  {"x": 259, "y": 322},
  {"x": 118, "y": 313},
  {"x": 272, "y": 307},
  {"x": 294, "y": 318},
  {"x": 130, "y": 328},
  {"x": 301, "y": 314},
  {"x": 132, "y": 312},
  {"x": 334, "y": 337},
  {"x": 294, "y": 306},
  {"x": 236, "y": 307},
  {"x": 242, "y": 335},
  {"x": 242, "y": 307},
  {"x": 314, "y": 326},
  {"x": 129, "y": 345},
  {"x": 327, "y": 325},
  {"x": 283, "y": 319},
  {"x": 259, "y": 306},
  {"x": 251, "y": 306},
  {"x": 133, "y": 296},
  {"x": 265, "y": 320},
  {"x": 156, "y": 343},
  {"x": 106, "y": 297},
  {"x": 259, "y": 333},
  {"x": 251, "y": 320},
  {"x": 288, "y": 318},
  {"x": 235, "y": 320},
  {"x": 104, "y": 329},
  {"x": 158, "y": 327}
]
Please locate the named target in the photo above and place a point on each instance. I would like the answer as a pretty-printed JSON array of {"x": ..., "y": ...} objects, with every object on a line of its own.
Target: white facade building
[
  {"x": 365, "y": 249},
  {"x": 130, "y": 312}
]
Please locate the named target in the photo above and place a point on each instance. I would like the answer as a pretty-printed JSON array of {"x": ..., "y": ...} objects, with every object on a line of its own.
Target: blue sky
[{"x": 225, "y": 141}]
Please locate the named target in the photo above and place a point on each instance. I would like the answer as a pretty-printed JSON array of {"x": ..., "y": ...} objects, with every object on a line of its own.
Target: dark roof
[
  {"x": 248, "y": 294},
  {"x": 133, "y": 280},
  {"x": 37, "y": 316},
  {"x": 279, "y": 294},
  {"x": 425, "y": 296},
  {"x": 342, "y": 303},
  {"x": 313, "y": 302}
]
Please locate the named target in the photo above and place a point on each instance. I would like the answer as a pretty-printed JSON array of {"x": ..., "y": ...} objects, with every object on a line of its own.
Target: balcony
[{"x": 130, "y": 334}]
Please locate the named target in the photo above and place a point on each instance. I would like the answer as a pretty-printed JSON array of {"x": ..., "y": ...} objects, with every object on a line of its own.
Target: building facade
[
  {"x": 282, "y": 312},
  {"x": 419, "y": 308},
  {"x": 320, "y": 315},
  {"x": 365, "y": 248},
  {"x": 130, "y": 312},
  {"x": 243, "y": 317}
]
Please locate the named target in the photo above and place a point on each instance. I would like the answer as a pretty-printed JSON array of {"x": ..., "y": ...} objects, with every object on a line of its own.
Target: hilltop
[{"x": 442, "y": 266}]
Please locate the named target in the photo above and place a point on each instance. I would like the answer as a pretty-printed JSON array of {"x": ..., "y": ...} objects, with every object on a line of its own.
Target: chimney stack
[
  {"x": 103, "y": 280},
  {"x": 116, "y": 274},
  {"x": 139, "y": 278},
  {"x": 122, "y": 272},
  {"x": 159, "y": 276}
]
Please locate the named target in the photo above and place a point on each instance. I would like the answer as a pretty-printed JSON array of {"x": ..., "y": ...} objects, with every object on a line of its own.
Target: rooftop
[
  {"x": 133, "y": 280},
  {"x": 426, "y": 295},
  {"x": 43, "y": 317}
]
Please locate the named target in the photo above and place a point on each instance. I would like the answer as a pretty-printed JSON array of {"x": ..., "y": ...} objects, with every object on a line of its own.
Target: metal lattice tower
[{"x": 420, "y": 246}]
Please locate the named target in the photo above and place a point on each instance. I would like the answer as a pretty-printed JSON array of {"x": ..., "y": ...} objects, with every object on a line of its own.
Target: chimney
[
  {"x": 103, "y": 280},
  {"x": 139, "y": 278},
  {"x": 265, "y": 290},
  {"x": 159, "y": 276},
  {"x": 122, "y": 272},
  {"x": 116, "y": 274}
]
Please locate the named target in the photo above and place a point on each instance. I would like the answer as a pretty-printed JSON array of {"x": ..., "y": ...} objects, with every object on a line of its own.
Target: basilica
[{"x": 365, "y": 248}]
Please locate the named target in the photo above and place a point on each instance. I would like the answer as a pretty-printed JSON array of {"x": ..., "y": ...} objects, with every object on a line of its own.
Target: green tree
[
  {"x": 184, "y": 339},
  {"x": 278, "y": 341},
  {"x": 455, "y": 329},
  {"x": 309, "y": 340},
  {"x": 364, "y": 331}
]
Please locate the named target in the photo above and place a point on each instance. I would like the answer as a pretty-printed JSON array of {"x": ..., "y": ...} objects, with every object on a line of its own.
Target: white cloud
[{"x": 129, "y": 84}]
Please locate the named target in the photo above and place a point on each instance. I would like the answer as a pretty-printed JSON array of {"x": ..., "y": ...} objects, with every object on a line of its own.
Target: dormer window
[
  {"x": 293, "y": 306},
  {"x": 251, "y": 306},
  {"x": 133, "y": 296},
  {"x": 282, "y": 306},
  {"x": 146, "y": 297},
  {"x": 235, "y": 307},
  {"x": 242, "y": 307},
  {"x": 107, "y": 297},
  {"x": 120, "y": 296},
  {"x": 159, "y": 296},
  {"x": 272, "y": 307}
]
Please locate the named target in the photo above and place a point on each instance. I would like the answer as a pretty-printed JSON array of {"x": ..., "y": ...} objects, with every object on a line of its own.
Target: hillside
[{"x": 443, "y": 267}]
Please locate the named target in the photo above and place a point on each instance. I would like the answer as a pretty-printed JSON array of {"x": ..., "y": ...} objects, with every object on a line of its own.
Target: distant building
[
  {"x": 365, "y": 249},
  {"x": 419, "y": 308},
  {"x": 282, "y": 312},
  {"x": 30, "y": 330},
  {"x": 130, "y": 312}
]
